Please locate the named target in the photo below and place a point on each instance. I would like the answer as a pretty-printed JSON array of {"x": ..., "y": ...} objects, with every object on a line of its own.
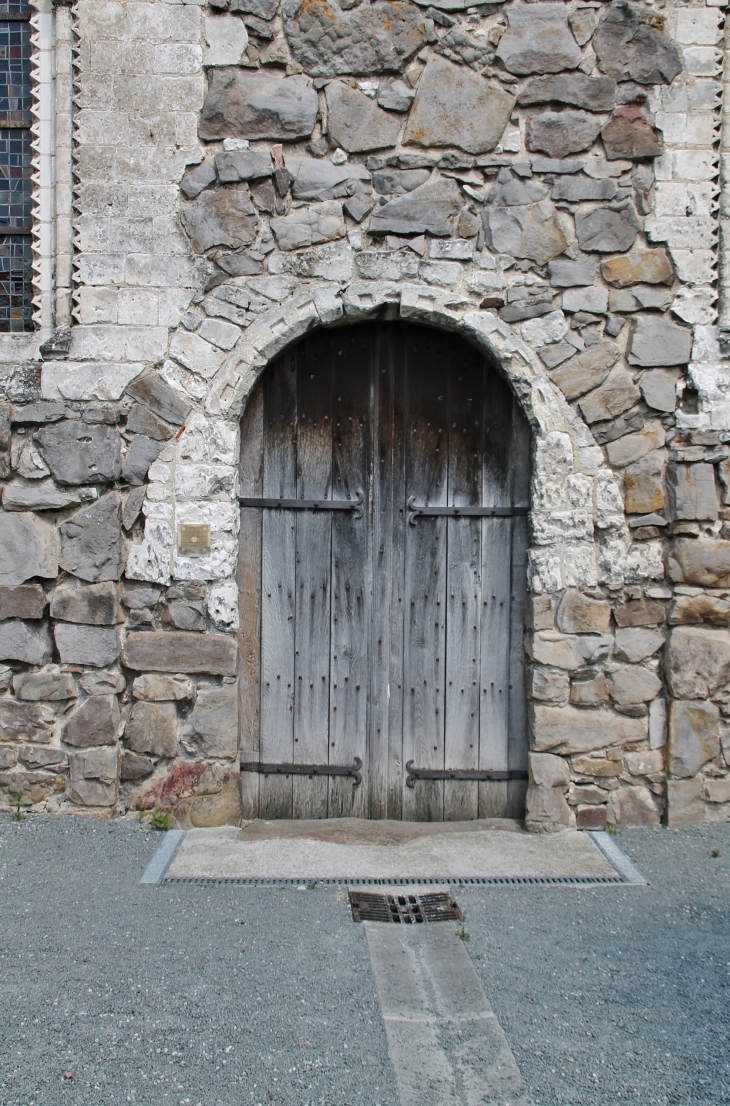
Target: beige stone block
[
  {"x": 589, "y": 693},
  {"x": 644, "y": 485},
  {"x": 710, "y": 610},
  {"x": 549, "y": 685},
  {"x": 586, "y": 793},
  {"x": 717, "y": 791},
  {"x": 547, "y": 770},
  {"x": 571, "y": 730},
  {"x": 631, "y": 447},
  {"x": 694, "y": 737},
  {"x": 636, "y": 807},
  {"x": 569, "y": 652},
  {"x": 152, "y": 728},
  {"x": 581, "y": 614},
  {"x": 698, "y": 661},
  {"x": 649, "y": 763},
  {"x": 599, "y": 767},
  {"x": 634, "y": 644},
  {"x": 633, "y": 684},
  {"x": 540, "y": 613},
  {"x": 701, "y": 561},
  {"x": 685, "y": 803},
  {"x": 546, "y": 806}
]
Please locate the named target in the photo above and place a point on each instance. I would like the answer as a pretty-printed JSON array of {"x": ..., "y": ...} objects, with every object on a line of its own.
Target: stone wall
[{"x": 541, "y": 177}]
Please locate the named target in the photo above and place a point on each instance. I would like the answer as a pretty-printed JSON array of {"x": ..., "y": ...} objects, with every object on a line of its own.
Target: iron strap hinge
[
  {"x": 459, "y": 774},
  {"x": 425, "y": 511},
  {"x": 355, "y": 505},
  {"x": 311, "y": 770}
]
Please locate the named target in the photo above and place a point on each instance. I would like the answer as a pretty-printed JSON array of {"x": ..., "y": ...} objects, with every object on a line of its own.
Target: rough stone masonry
[{"x": 542, "y": 178}]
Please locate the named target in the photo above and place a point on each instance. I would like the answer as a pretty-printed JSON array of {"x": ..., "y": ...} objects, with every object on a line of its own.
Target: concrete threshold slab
[
  {"x": 445, "y": 1043},
  {"x": 162, "y": 857},
  {"x": 350, "y": 849}
]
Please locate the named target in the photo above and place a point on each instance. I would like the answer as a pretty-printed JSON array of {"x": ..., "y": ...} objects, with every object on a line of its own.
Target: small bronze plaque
[{"x": 193, "y": 538}]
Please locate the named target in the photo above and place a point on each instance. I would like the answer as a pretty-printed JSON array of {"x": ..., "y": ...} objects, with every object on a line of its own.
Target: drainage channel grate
[
  {"x": 408, "y": 908},
  {"x": 466, "y": 881}
]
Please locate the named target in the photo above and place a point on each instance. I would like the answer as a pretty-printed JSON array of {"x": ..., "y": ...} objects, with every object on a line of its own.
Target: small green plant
[
  {"x": 715, "y": 852},
  {"x": 19, "y": 804},
  {"x": 462, "y": 934},
  {"x": 612, "y": 830},
  {"x": 160, "y": 819}
]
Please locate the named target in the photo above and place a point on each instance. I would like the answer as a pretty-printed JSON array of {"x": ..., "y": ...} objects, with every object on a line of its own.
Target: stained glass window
[{"x": 16, "y": 274}]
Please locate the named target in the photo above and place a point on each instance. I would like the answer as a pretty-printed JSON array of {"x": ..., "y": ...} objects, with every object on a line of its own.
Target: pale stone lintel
[{"x": 86, "y": 380}]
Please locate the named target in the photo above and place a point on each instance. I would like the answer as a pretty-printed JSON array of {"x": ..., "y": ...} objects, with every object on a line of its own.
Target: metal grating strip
[{"x": 466, "y": 881}]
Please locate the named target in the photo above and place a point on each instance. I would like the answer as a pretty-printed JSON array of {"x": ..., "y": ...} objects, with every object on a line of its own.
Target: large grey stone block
[
  {"x": 629, "y": 48},
  {"x": 531, "y": 231},
  {"x": 25, "y": 721},
  {"x": 691, "y": 492},
  {"x": 152, "y": 728},
  {"x": 308, "y": 226},
  {"x": 355, "y": 122},
  {"x": 26, "y": 601},
  {"x": 559, "y": 133},
  {"x": 156, "y": 688},
  {"x": 320, "y": 179},
  {"x": 511, "y": 191},
  {"x": 606, "y": 231},
  {"x": 628, "y": 135},
  {"x": 428, "y": 209},
  {"x": 96, "y": 646},
  {"x": 28, "y": 547},
  {"x": 93, "y": 776},
  {"x": 215, "y": 654},
  {"x": 236, "y": 165},
  {"x": 20, "y": 641},
  {"x": 243, "y": 104},
  {"x": 373, "y": 38},
  {"x": 456, "y": 107},
  {"x": 214, "y": 721},
  {"x": 140, "y": 455},
  {"x": 579, "y": 188},
  {"x": 134, "y": 767},
  {"x": 591, "y": 93},
  {"x": 538, "y": 40},
  {"x": 565, "y": 273},
  {"x": 654, "y": 341},
  {"x": 95, "y": 722},
  {"x": 92, "y": 546},
  {"x": 50, "y": 684},
  {"x": 141, "y": 420},
  {"x": 94, "y": 605},
  {"x": 222, "y": 218},
  {"x": 265, "y": 9},
  {"x": 77, "y": 453},
  {"x": 685, "y": 803},
  {"x": 161, "y": 399},
  {"x": 195, "y": 181}
]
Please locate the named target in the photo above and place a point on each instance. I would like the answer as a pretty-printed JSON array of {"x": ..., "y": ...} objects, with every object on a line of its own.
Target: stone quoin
[{"x": 544, "y": 180}]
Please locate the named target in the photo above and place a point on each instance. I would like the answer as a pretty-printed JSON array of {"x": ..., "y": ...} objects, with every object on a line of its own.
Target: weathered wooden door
[{"x": 382, "y": 603}]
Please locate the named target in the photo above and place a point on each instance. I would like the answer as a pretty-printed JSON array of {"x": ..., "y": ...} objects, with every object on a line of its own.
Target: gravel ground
[
  {"x": 209, "y": 996},
  {"x": 177, "y": 994},
  {"x": 616, "y": 995}
]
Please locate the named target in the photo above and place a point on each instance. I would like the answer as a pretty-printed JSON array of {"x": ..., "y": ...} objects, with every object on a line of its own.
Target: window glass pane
[
  {"x": 16, "y": 274},
  {"x": 16, "y": 287},
  {"x": 15, "y": 50}
]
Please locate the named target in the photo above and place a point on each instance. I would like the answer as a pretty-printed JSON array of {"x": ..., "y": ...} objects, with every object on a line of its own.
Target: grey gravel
[
  {"x": 616, "y": 994},
  {"x": 607, "y": 995},
  {"x": 178, "y": 994}
]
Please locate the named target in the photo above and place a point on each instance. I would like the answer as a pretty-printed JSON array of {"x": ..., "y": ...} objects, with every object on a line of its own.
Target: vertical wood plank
[
  {"x": 389, "y": 566},
  {"x": 352, "y": 355},
  {"x": 425, "y": 573},
  {"x": 496, "y": 579},
  {"x": 248, "y": 579},
  {"x": 278, "y": 583},
  {"x": 463, "y": 585},
  {"x": 518, "y": 739},
  {"x": 313, "y": 548}
]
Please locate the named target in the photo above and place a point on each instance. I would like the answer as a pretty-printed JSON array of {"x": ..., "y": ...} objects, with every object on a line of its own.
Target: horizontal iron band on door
[
  {"x": 311, "y": 770},
  {"x": 459, "y": 774},
  {"x": 425, "y": 511},
  {"x": 354, "y": 505}
]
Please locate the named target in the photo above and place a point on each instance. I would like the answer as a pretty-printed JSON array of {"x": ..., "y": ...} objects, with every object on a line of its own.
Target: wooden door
[{"x": 371, "y": 628}]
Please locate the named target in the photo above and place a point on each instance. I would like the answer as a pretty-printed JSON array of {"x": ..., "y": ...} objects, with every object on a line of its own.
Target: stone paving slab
[{"x": 353, "y": 849}]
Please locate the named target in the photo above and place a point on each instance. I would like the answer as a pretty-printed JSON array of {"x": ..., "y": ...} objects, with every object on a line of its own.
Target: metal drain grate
[
  {"x": 408, "y": 908},
  {"x": 465, "y": 881}
]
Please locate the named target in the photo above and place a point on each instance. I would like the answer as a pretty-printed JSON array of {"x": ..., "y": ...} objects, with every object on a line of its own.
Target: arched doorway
[{"x": 382, "y": 608}]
